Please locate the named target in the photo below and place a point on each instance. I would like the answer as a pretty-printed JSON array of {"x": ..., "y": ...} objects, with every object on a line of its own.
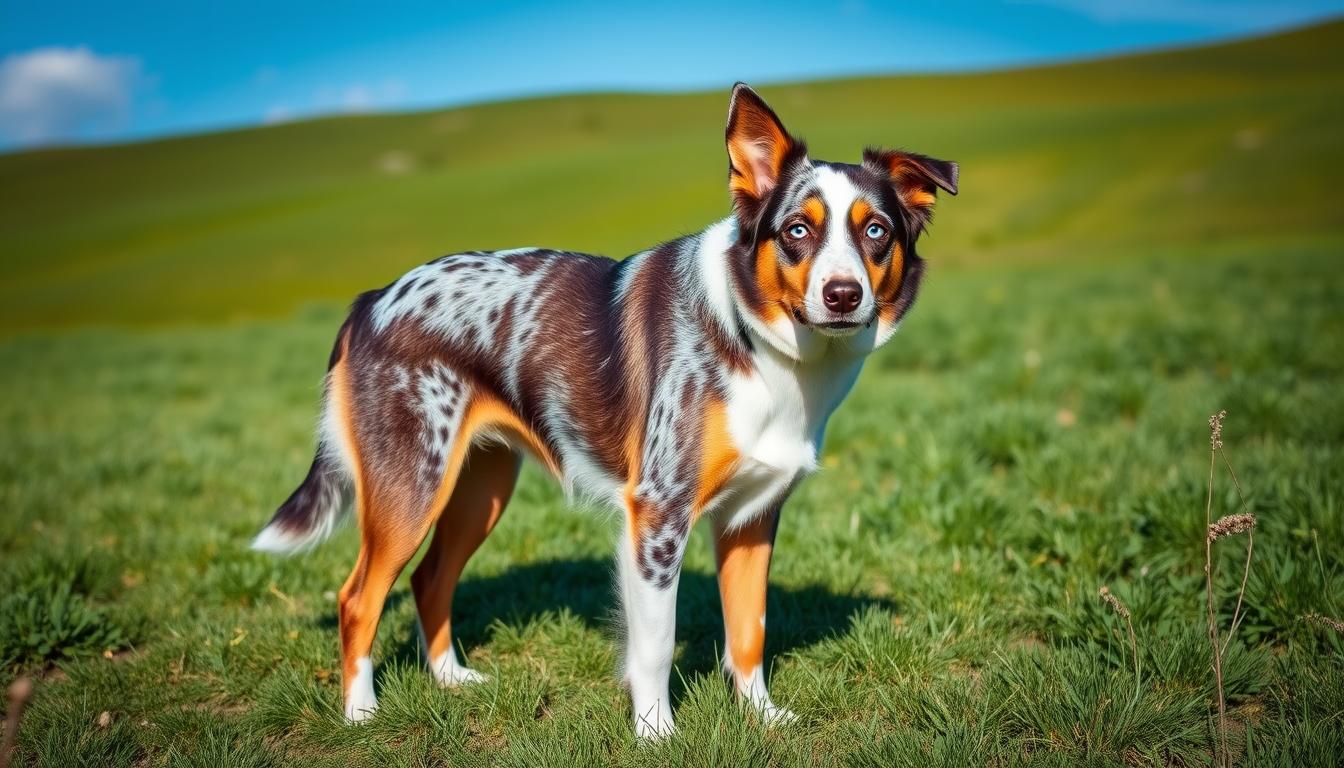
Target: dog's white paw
[
  {"x": 776, "y": 715},
  {"x": 655, "y": 724},
  {"x": 360, "y": 703},
  {"x": 356, "y": 713},
  {"x": 451, "y": 673},
  {"x": 462, "y": 676},
  {"x": 752, "y": 691}
]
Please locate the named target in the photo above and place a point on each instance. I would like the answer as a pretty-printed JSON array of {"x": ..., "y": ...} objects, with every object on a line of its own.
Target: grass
[{"x": 1036, "y": 431}]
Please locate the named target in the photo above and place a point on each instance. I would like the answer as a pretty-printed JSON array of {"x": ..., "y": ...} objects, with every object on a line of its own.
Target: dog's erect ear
[
  {"x": 917, "y": 179},
  {"x": 758, "y": 150}
]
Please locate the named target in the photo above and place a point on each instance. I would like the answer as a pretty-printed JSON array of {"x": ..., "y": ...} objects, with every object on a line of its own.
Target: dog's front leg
[
  {"x": 649, "y": 564},
  {"x": 743, "y": 555}
]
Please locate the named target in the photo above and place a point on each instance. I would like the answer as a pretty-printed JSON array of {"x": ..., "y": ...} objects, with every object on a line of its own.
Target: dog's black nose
[{"x": 842, "y": 296}]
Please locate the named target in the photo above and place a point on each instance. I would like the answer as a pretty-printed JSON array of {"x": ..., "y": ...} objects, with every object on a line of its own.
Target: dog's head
[{"x": 826, "y": 251}]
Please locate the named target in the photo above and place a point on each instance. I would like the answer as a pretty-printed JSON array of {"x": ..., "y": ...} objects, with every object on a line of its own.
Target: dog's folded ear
[
  {"x": 917, "y": 179},
  {"x": 759, "y": 152}
]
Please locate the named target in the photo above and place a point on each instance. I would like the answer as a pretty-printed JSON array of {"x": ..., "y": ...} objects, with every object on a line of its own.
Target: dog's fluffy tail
[{"x": 311, "y": 513}]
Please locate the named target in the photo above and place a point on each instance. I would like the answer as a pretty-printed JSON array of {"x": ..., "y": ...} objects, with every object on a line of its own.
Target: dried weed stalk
[
  {"x": 1123, "y": 612},
  {"x": 1230, "y": 525}
]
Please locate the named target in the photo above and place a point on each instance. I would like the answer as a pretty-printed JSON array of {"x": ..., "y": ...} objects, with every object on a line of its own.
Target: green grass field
[{"x": 1139, "y": 243}]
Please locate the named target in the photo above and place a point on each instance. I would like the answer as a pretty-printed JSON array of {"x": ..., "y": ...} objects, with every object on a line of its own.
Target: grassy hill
[{"x": 1217, "y": 144}]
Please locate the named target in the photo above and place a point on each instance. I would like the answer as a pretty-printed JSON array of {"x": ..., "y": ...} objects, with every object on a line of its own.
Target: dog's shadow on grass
[{"x": 798, "y": 616}]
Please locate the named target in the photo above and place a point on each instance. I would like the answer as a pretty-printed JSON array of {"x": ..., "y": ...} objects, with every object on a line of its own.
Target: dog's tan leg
[
  {"x": 395, "y": 514},
  {"x": 477, "y": 502},
  {"x": 384, "y": 552},
  {"x": 743, "y": 555}
]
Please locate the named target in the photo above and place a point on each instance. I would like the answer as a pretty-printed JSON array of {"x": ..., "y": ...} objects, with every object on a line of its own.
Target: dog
[{"x": 694, "y": 379}]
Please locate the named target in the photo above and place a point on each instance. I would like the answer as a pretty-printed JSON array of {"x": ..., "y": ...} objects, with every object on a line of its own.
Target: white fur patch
[
  {"x": 712, "y": 260},
  {"x": 360, "y": 703},
  {"x": 751, "y": 688},
  {"x": 276, "y": 541},
  {"x": 838, "y": 258},
  {"x": 451, "y": 673},
  {"x": 650, "y": 618},
  {"x": 777, "y": 417}
]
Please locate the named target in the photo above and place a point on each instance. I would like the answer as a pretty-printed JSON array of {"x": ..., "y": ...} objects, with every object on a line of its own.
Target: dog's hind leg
[
  {"x": 383, "y": 553},
  {"x": 411, "y": 442},
  {"x": 483, "y": 489}
]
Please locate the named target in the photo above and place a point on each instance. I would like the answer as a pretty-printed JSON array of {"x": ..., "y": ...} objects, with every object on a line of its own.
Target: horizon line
[{"x": 523, "y": 95}]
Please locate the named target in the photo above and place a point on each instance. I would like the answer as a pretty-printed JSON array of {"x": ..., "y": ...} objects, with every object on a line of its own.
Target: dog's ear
[
  {"x": 917, "y": 179},
  {"x": 759, "y": 150}
]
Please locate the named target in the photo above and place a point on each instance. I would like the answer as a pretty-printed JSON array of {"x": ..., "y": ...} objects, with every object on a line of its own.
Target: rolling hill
[{"x": 1173, "y": 150}]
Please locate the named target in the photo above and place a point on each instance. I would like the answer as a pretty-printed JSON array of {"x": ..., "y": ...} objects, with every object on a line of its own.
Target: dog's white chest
[
  {"x": 777, "y": 417},
  {"x": 768, "y": 421}
]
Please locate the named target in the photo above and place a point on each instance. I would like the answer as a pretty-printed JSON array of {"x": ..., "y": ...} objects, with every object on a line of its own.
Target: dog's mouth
[{"x": 829, "y": 327}]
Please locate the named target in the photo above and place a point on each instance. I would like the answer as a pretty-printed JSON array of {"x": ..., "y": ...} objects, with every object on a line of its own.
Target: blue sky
[{"x": 104, "y": 71}]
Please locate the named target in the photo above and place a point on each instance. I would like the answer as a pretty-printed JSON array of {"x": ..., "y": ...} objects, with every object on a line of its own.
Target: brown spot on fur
[{"x": 595, "y": 352}]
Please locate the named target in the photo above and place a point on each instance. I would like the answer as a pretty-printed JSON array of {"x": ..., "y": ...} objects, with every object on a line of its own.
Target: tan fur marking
[
  {"x": 910, "y": 182},
  {"x": 815, "y": 211},
  {"x": 338, "y": 392},
  {"x": 718, "y": 456},
  {"x": 781, "y": 285},
  {"x": 919, "y": 198},
  {"x": 743, "y": 556},
  {"x": 476, "y": 504},
  {"x": 487, "y": 413},
  {"x": 859, "y": 212},
  {"x": 740, "y": 181},
  {"x": 889, "y": 286}
]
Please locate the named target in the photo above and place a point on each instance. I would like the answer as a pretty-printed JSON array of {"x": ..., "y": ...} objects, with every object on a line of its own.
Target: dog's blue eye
[
  {"x": 798, "y": 231},
  {"x": 876, "y": 231}
]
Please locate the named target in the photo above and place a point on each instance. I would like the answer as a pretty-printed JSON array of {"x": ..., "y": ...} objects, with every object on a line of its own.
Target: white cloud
[
  {"x": 357, "y": 98},
  {"x": 1208, "y": 13},
  {"x": 48, "y": 94},
  {"x": 278, "y": 113}
]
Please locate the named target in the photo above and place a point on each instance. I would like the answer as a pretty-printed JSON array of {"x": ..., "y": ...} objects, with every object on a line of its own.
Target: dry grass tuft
[
  {"x": 1231, "y": 525},
  {"x": 1216, "y": 430},
  {"x": 1123, "y": 612},
  {"x": 1114, "y": 602},
  {"x": 1325, "y": 621}
]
